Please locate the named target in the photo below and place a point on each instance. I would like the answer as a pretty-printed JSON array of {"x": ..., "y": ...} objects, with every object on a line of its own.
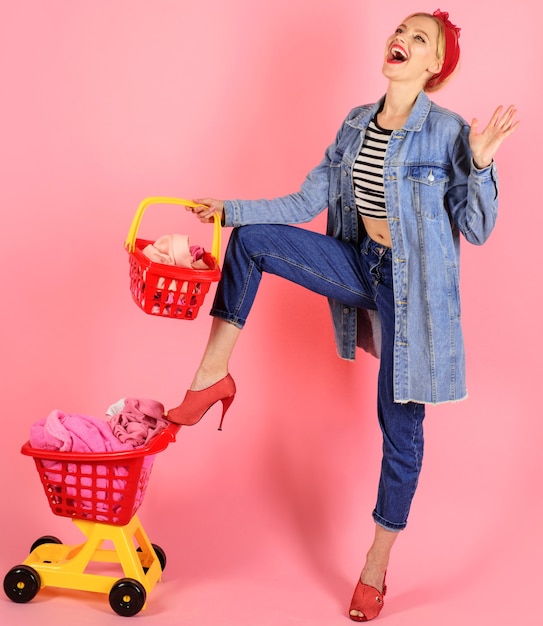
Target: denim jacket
[{"x": 433, "y": 192}]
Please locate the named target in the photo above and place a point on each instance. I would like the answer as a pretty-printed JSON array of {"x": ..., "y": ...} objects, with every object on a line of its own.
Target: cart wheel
[
  {"x": 161, "y": 556},
  {"x": 127, "y": 597},
  {"x": 43, "y": 540},
  {"x": 22, "y": 583}
]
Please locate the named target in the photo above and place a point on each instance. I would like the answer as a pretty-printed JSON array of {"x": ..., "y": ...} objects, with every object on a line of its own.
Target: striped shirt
[{"x": 368, "y": 173}]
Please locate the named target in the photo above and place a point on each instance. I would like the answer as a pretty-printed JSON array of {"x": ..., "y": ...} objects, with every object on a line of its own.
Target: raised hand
[{"x": 485, "y": 144}]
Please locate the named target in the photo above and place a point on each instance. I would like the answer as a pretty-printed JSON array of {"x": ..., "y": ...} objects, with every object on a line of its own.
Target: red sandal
[{"x": 367, "y": 600}]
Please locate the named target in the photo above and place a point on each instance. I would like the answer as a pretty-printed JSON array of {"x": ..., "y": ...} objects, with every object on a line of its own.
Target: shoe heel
[{"x": 226, "y": 402}]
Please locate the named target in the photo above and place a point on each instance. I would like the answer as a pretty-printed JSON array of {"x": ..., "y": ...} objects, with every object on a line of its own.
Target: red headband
[{"x": 452, "y": 49}]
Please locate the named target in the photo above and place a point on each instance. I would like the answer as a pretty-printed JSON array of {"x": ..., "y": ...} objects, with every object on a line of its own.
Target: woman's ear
[{"x": 436, "y": 67}]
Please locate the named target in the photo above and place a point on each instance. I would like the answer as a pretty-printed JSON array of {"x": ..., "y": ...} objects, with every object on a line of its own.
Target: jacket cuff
[
  {"x": 231, "y": 213},
  {"x": 485, "y": 172}
]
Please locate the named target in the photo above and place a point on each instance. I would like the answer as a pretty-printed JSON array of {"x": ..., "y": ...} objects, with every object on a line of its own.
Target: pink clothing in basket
[
  {"x": 68, "y": 432},
  {"x": 136, "y": 420},
  {"x": 175, "y": 250},
  {"x": 75, "y": 433}
]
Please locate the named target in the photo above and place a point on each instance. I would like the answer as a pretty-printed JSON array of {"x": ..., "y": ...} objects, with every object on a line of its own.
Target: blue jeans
[{"x": 359, "y": 276}]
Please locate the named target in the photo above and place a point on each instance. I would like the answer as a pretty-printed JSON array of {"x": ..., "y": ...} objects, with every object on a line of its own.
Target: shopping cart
[{"x": 101, "y": 493}]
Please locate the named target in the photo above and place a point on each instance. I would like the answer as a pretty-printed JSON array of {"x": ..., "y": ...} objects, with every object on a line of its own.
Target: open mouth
[{"x": 397, "y": 55}]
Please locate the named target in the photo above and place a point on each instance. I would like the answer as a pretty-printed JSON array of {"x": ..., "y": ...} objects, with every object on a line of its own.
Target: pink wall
[{"x": 107, "y": 102}]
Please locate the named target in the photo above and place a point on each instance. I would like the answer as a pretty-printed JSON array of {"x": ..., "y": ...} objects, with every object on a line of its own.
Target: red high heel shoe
[
  {"x": 367, "y": 600},
  {"x": 197, "y": 403}
]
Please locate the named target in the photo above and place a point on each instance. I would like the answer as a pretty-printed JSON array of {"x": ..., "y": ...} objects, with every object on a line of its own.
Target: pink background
[{"x": 107, "y": 102}]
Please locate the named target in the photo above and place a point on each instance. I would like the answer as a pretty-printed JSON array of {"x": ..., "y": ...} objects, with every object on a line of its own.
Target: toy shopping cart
[
  {"x": 167, "y": 290},
  {"x": 101, "y": 492}
]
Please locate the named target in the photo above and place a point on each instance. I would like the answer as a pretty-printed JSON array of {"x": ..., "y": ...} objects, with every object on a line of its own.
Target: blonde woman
[{"x": 402, "y": 181}]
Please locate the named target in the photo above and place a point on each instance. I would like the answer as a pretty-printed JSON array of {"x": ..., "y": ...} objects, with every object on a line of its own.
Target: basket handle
[{"x": 130, "y": 243}]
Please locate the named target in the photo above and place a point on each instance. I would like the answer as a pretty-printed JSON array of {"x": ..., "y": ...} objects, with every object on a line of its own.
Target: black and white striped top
[{"x": 369, "y": 190}]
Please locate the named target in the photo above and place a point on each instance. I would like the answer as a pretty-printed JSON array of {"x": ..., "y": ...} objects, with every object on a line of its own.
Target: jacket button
[{"x": 346, "y": 310}]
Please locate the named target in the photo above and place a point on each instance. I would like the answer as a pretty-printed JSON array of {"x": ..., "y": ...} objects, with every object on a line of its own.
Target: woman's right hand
[{"x": 206, "y": 209}]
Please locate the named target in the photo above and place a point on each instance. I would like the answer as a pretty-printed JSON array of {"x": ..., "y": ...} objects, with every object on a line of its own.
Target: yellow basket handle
[{"x": 130, "y": 243}]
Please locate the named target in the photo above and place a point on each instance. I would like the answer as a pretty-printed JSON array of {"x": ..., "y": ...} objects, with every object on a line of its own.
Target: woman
[{"x": 402, "y": 180}]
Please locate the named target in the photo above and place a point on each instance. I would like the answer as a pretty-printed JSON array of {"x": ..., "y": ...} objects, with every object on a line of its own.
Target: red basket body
[
  {"x": 167, "y": 290},
  {"x": 107, "y": 487}
]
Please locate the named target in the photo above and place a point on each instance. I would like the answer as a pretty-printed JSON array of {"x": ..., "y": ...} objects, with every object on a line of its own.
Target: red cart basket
[
  {"x": 167, "y": 290},
  {"x": 106, "y": 487}
]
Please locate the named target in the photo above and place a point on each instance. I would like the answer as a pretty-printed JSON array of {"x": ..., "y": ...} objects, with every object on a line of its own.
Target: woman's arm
[
  {"x": 295, "y": 208},
  {"x": 472, "y": 198}
]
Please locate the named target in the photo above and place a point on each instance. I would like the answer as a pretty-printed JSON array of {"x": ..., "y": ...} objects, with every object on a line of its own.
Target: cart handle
[{"x": 130, "y": 243}]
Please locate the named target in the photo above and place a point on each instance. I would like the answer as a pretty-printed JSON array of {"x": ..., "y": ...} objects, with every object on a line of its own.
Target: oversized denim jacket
[{"x": 433, "y": 192}]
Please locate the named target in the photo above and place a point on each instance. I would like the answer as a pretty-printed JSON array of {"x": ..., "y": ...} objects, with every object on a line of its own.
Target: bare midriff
[{"x": 378, "y": 231}]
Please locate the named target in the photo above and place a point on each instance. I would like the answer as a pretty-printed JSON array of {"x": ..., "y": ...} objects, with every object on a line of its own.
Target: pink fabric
[
  {"x": 138, "y": 422},
  {"x": 175, "y": 250},
  {"x": 68, "y": 432},
  {"x": 197, "y": 252}
]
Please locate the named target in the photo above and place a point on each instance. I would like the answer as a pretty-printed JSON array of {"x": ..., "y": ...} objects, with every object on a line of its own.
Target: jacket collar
[{"x": 416, "y": 119}]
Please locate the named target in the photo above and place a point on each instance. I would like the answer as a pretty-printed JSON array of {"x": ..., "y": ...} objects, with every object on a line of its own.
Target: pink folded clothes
[
  {"x": 175, "y": 250},
  {"x": 136, "y": 420}
]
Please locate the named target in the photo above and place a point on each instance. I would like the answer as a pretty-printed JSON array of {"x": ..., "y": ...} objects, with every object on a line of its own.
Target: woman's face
[{"x": 411, "y": 52}]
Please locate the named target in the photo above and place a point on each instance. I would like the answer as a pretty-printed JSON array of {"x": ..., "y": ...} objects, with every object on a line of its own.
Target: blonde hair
[{"x": 441, "y": 44}]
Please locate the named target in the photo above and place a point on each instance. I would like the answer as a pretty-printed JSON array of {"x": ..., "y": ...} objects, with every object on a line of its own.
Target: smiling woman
[
  {"x": 107, "y": 102},
  {"x": 402, "y": 180},
  {"x": 433, "y": 37}
]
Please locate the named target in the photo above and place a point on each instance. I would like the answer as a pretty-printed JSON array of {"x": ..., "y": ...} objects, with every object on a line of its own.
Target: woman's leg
[
  {"x": 318, "y": 262},
  {"x": 315, "y": 261},
  {"x": 219, "y": 348},
  {"x": 378, "y": 557},
  {"x": 401, "y": 426}
]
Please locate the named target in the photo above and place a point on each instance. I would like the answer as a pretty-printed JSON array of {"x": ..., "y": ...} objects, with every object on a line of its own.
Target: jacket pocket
[{"x": 428, "y": 185}]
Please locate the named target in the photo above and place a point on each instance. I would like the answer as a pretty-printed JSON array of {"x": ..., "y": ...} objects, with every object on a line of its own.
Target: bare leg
[
  {"x": 377, "y": 560},
  {"x": 214, "y": 365}
]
